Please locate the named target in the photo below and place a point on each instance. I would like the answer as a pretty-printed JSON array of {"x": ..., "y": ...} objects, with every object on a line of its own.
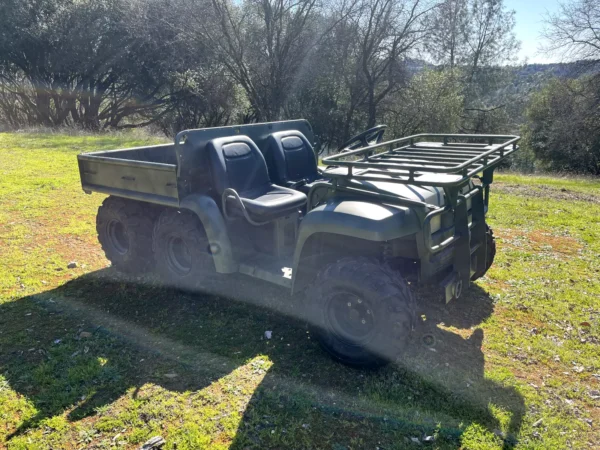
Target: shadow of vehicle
[{"x": 97, "y": 337}]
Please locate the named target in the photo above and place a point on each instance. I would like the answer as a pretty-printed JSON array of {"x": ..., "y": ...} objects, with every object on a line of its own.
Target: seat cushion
[
  {"x": 270, "y": 202},
  {"x": 292, "y": 157}
]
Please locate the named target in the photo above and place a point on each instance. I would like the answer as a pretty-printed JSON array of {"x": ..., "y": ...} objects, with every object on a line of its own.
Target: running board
[{"x": 269, "y": 268}]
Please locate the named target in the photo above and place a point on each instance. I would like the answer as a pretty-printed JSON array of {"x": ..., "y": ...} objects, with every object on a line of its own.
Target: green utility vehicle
[{"x": 349, "y": 239}]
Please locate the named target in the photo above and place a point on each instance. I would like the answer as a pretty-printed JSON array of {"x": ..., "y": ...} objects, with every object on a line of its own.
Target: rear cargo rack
[{"x": 441, "y": 160}]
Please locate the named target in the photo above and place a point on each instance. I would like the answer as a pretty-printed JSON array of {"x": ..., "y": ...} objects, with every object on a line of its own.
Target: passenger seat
[
  {"x": 240, "y": 177},
  {"x": 293, "y": 160}
]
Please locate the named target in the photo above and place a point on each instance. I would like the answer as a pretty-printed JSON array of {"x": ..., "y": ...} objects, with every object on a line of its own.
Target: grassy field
[{"x": 92, "y": 359}]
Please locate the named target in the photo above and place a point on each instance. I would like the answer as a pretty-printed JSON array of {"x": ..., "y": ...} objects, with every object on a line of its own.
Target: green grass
[{"x": 522, "y": 345}]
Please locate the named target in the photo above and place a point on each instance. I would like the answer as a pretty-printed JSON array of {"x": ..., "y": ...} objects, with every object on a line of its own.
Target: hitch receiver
[{"x": 453, "y": 286}]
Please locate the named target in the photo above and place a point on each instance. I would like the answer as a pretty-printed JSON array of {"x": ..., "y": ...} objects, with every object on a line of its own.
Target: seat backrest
[
  {"x": 292, "y": 157},
  {"x": 237, "y": 163}
]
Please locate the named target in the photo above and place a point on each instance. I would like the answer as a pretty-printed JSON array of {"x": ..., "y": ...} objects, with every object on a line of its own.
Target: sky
[{"x": 529, "y": 25}]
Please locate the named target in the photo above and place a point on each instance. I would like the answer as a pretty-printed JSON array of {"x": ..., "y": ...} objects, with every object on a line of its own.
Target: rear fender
[{"x": 212, "y": 220}]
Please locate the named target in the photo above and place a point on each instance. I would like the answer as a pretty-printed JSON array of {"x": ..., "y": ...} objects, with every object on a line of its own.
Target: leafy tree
[
  {"x": 432, "y": 102},
  {"x": 321, "y": 95},
  {"x": 490, "y": 34},
  {"x": 563, "y": 119},
  {"x": 87, "y": 62},
  {"x": 477, "y": 35},
  {"x": 563, "y": 125},
  {"x": 489, "y": 105},
  {"x": 447, "y": 43},
  {"x": 203, "y": 97},
  {"x": 472, "y": 34}
]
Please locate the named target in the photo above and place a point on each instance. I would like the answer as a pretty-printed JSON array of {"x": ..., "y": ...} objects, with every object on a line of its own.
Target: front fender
[
  {"x": 352, "y": 219},
  {"x": 209, "y": 214}
]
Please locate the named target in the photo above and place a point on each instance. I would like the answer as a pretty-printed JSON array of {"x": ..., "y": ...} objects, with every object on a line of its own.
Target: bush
[{"x": 562, "y": 125}]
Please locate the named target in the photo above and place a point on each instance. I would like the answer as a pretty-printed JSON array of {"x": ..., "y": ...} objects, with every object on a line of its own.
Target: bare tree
[
  {"x": 574, "y": 32},
  {"x": 386, "y": 32},
  {"x": 265, "y": 44}
]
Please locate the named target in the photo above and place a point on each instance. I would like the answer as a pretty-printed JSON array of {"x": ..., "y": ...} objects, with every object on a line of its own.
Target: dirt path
[{"x": 546, "y": 192}]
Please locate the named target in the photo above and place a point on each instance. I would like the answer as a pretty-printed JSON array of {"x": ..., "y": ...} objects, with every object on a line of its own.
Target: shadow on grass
[{"x": 84, "y": 345}]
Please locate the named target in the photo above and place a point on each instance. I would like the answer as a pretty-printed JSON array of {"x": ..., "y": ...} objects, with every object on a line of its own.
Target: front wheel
[{"x": 363, "y": 313}]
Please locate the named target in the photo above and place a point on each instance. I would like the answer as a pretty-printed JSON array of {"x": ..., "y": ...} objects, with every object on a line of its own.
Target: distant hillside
[
  {"x": 512, "y": 86},
  {"x": 564, "y": 70},
  {"x": 568, "y": 70}
]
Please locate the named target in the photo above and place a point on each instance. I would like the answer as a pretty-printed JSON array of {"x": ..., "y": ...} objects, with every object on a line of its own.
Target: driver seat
[
  {"x": 241, "y": 178},
  {"x": 293, "y": 160}
]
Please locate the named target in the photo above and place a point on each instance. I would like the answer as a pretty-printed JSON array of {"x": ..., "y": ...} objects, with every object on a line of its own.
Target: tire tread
[
  {"x": 139, "y": 222},
  {"x": 382, "y": 283}
]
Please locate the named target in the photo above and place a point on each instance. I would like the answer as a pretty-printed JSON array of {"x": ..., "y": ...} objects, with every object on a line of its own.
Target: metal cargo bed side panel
[{"x": 141, "y": 180}]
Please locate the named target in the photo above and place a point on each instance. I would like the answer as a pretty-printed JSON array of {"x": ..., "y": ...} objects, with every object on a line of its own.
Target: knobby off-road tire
[
  {"x": 125, "y": 233},
  {"x": 491, "y": 253},
  {"x": 362, "y": 312},
  {"x": 181, "y": 250}
]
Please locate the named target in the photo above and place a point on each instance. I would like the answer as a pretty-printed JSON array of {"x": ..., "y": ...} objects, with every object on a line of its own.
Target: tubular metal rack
[
  {"x": 447, "y": 161},
  {"x": 409, "y": 160}
]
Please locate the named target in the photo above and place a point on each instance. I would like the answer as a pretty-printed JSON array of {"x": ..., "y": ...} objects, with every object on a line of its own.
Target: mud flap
[{"x": 462, "y": 247}]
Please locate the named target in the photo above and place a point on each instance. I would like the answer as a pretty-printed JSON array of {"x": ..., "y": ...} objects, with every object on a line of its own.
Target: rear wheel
[
  {"x": 363, "y": 313},
  {"x": 490, "y": 254},
  {"x": 181, "y": 249},
  {"x": 125, "y": 233}
]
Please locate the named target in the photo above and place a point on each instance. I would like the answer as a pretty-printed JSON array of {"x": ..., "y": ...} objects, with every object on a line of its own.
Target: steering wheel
[{"x": 370, "y": 137}]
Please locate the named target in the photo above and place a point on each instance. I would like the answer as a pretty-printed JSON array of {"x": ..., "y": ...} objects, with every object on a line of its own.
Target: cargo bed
[
  {"x": 141, "y": 173},
  {"x": 166, "y": 174}
]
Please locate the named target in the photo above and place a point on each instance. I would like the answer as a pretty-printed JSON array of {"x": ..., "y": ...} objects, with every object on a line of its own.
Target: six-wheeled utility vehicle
[{"x": 351, "y": 237}]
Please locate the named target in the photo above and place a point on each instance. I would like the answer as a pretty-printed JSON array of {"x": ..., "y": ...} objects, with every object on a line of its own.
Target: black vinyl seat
[
  {"x": 293, "y": 160},
  {"x": 241, "y": 178}
]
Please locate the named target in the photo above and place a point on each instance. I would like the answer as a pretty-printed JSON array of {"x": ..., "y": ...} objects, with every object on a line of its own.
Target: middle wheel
[{"x": 181, "y": 250}]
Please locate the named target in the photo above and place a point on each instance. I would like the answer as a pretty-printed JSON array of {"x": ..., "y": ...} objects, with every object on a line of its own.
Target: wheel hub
[
  {"x": 117, "y": 234},
  {"x": 178, "y": 255},
  {"x": 351, "y": 318}
]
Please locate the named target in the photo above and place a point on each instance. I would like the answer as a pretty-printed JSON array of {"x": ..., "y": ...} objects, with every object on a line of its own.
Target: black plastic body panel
[{"x": 193, "y": 172}]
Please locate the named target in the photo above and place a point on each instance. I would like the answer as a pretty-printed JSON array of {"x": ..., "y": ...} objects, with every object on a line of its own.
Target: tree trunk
[
  {"x": 346, "y": 131},
  {"x": 372, "y": 117},
  {"x": 42, "y": 101}
]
